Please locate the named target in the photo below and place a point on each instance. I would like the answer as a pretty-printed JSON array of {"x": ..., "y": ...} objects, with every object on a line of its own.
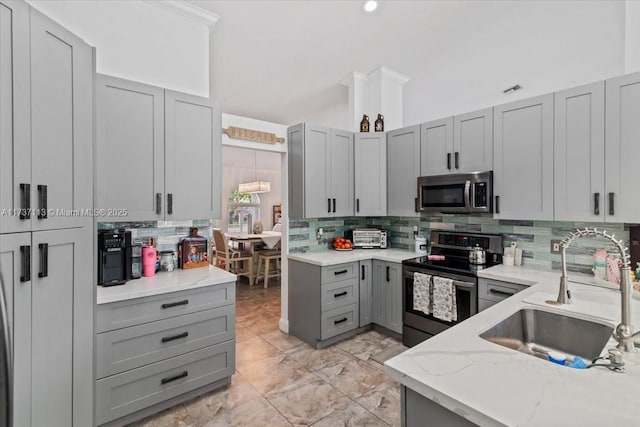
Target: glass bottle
[
  {"x": 364, "y": 124},
  {"x": 379, "y": 124}
]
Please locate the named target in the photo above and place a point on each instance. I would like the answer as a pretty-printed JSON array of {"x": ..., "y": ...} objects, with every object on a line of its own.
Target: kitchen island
[{"x": 463, "y": 379}]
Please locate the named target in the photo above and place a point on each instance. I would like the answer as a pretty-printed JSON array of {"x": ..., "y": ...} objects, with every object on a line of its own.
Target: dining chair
[{"x": 238, "y": 262}]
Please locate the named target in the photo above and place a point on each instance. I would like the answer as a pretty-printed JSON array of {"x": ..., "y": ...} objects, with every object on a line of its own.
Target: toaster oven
[{"x": 369, "y": 238}]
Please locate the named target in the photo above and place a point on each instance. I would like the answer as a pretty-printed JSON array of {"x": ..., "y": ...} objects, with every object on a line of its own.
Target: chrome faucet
[{"x": 625, "y": 330}]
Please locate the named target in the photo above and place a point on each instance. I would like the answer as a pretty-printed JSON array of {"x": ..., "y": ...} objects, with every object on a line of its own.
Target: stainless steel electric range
[{"x": 455, "y": 248}]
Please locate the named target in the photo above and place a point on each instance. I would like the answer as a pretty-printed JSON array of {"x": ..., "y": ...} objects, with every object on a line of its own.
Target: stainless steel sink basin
[{"x": 537, "y": 332}]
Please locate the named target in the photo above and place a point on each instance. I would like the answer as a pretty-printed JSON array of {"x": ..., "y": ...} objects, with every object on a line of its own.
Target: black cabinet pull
[
  {"x": 42, "y": 197},
  {"x": 170, "y": 203},
  {"x": 175, "y": 304},
  {"x": 388, "y": 279},
  {"x": 175, "y": 377},
  {"x": 612, "y": 210},
  {"x": 25, "y": 251},
  {"x": 497, "y": 204},
  {"x": 329, "y": 205},
  {"x": 415, "y": 203},
  {"x": 175, "y": 337},
  {"x": 501, "y": 293},
  {"x": 158, "y": 203},
  {"x": 337, "y": 322},
  {"x": 362, "y": 267},
  {"x": 25, "y": 194},
  {"x": 334, "y": 205},
  {"x": 340, "y": 272},
  {"x": 44, "y": 259},
  {"x": 357, "y": 205},
  {"x": 341, "y": 294},
  {"x": 449, "y": 161},
  {"x": 596, "y": 203},
  {"x": 456, "y": 161}
]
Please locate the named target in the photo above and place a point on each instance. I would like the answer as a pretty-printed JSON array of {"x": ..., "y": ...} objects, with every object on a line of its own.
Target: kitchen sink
[{"x": 537, "y": 332}]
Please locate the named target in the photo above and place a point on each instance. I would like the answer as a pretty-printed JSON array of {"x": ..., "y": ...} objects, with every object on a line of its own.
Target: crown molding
[
  {"x": 353, "y": 76},
  {"x": 389, "y": 72},
  {"x": 188, "y": 10}
]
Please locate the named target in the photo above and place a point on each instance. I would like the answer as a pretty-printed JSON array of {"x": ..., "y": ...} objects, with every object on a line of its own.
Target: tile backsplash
[{"x": 534, "y": 237}]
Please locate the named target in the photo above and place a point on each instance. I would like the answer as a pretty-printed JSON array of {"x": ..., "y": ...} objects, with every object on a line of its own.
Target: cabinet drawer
[
  {"x": 339, "y": 294},
  {"x": 495, "y": 290},
  {"x": 131, "y": 391},
  {"x": 340, "y": 320},
  {"x": 136, "y": 311},
  {"x": 129, "y": 348},
  {"x": 335, "y": 273}
]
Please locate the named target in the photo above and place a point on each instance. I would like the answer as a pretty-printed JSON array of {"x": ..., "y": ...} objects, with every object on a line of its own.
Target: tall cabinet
[
  {"x": 46, "y": 139},
  {"x": 171, "y": 140},
  {"x": 403, "y": 170}
]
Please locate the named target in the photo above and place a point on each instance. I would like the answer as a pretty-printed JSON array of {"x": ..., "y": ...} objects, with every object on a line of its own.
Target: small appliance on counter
[
  {"x": 368, "y": 238},
  {"x": 132, "y": 257},
  {"x": 111, "y": 257}
]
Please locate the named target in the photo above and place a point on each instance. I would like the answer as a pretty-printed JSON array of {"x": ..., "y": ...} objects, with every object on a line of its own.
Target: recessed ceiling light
[{"x": 370, "y": 6}]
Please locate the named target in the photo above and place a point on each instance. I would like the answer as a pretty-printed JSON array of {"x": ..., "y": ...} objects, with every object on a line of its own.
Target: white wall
[
  {"x": 632, "y": 36},
  {"x": 140, "y": 41},
  {"x": 529, "y": 45}
]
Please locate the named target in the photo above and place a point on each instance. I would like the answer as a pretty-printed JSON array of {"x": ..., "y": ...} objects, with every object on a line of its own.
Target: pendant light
[{"x": 255, "y": 186}]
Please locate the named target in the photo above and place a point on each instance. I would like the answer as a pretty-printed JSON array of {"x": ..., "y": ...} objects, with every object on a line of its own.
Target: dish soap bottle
[{"x": 364, "y": 124}]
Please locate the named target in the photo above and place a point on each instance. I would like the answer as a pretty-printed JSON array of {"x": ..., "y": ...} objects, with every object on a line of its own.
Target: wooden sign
[{"x": 252, "y": 135}]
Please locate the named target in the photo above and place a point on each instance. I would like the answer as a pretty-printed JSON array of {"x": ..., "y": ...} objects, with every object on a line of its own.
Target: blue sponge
[{"x": 578, "y": 363}]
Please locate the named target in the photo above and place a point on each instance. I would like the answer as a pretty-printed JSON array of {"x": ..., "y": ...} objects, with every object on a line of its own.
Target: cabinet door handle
[
  {"x": 497, "y": 204},
  {"x": 175, "y": 337},
  {"x": 388, "y": 279},
  {"x": 25, "y": 195},
  {"x": 357, "y": 205},
  {"x": 169, "y": 203},
  {"x": 449, "y": 161},
  {"x": 158, "y": 203},
  {"x": 612, "y": 210},
  {"x": 340, "y": 272},
  {"x": 501, "y": 293},
  {"x": 337, "y": 322},
  {"x": 334, "y": 205},
  {"x": 175, "y": 304},
  {"x": 362, "y": 267},
  {"x": 596, "y": 203},
  {"x": 25, "y": 251},
  {"x": 44, "y": 259},
  {"x": 329, "y": 205},
  {"x": 42, "y": 197},
  {"x": 456, "y": 161},
  {"x": 341, "y": 294},
  {"x": 175, "y": 377}
]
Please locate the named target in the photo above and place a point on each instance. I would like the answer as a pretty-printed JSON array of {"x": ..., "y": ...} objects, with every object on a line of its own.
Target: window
[{"x": 241, "y": 208}]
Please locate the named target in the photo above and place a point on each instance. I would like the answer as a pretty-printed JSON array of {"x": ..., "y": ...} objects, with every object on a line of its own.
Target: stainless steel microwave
[{"x": 456, "y": 193}]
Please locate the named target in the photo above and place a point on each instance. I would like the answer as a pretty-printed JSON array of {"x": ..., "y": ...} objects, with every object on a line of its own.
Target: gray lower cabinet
[
  {"x": 491, "y": 292},
  {"x": 418, "y": 411},
  {"x": 403, "y": 170},
  {"x": 366, "y": 292},
  {"x": 387, "y": 295},
  {"x": 370, "y": 174},
  {"x": 154, "y": 352}
]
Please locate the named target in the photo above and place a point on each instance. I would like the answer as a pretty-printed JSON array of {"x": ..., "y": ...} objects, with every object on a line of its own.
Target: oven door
[
  {"x": 466, "y": 301},
  {"x": 446, "y": 193}
]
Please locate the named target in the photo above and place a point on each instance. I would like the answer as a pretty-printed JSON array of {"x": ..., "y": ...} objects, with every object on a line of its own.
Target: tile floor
[{"x": 281, "y": 381}]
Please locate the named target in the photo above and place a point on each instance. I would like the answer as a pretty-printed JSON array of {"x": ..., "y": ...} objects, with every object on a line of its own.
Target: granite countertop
[
  {"x": 164, "y": 282},
  {"x": 331, "y": 257},
  {"x": 491, "y": 385}
]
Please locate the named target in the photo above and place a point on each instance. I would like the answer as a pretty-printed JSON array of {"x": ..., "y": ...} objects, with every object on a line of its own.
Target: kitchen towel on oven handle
[
  {"x": 422, "y": 292},
  {"x": 444, "y": 299}
]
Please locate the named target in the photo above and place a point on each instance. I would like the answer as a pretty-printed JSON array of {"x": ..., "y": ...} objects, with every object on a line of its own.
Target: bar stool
[{"x": 265, "y": 257}]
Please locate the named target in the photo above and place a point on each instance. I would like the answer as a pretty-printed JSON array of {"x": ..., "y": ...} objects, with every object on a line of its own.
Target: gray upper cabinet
[
  {"x": 523, "y": 159},
  {"x": 61, "y": 124},
  {"x": 370, "y": 174},
  {"x": 473, "y": 142},
  {"x": 436, "y": 146},
  {"x": 403, "y": 170},
  {"x": 622, "y": 148},
  {"x": 579, "y": 154},
  {"x": 130, "y": 137},
  {"x": 192, "y": 145},
  {"x": 320, "y": 172},
  {"x": 161, "y": 135}
]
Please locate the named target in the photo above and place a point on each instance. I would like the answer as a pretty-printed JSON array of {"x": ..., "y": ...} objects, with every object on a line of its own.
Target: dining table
[{"x": 248, "y": 241}]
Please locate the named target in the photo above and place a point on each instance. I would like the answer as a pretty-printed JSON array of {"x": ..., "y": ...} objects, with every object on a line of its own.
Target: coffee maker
[
  {"x": 111, "y": 257},
  {"x": 133, "y": 257}
]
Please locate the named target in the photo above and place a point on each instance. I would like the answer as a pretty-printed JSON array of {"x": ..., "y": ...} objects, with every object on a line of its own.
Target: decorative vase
[
  {"x": 364, "y": 124},
  {"x": 379, "y": 125}
]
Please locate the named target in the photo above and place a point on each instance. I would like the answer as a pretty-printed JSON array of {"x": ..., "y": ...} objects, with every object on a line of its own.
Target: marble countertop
[
  {"x": 164, "y": 282},
  {"x": 331, "y": 257},
  {"x": 491, "y": 385}
]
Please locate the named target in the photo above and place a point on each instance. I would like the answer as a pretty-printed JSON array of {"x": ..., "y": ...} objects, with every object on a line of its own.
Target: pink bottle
[{"x": 149, "y": 255}]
